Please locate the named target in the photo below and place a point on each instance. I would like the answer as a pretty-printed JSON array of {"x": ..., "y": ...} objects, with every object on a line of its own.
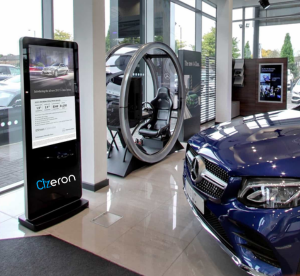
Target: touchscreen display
[{"x": 52, "y": 95}]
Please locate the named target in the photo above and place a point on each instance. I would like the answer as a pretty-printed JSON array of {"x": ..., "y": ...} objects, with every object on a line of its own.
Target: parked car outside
[
  {"x": 8, "y": 71},
  {"x": 242, "y": 181},
  {"x": 290, "y": 80},
  {"x": 55, "y": 70},
  {"x": 296, "y": 93},
  {"x": 10, "y": 91}
]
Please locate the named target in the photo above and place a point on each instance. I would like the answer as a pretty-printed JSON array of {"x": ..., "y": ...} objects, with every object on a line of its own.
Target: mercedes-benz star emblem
[{"x": 198, "y": 166}]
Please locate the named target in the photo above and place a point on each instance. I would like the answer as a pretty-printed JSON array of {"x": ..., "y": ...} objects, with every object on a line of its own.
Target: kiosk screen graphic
[{"x": 53, "y": 118}]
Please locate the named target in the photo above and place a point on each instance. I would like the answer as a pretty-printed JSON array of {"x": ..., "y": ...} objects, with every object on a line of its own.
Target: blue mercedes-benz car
[{"x": 242, "y": 180}]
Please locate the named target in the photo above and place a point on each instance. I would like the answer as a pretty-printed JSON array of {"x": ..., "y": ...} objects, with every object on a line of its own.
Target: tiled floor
[
  {"x": 11, "y": 164},
  {"x": 157, "y": 235}
]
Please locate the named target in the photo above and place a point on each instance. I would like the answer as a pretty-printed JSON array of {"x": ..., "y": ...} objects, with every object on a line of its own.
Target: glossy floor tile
[
  {"x": 11, "y": 228},
  {"x": 172, "y": 223},
  {"x": 82, "y": 232},
  {"x": 4, "y": 217},
  {"x": 157, "y": 234},
  {"x": 204, "y": 257},
  {"x": 145, "y": 251},
  {"x": 12, "y": 204}
]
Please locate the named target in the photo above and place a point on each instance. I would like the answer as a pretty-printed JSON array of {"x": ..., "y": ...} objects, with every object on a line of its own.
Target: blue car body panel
[{"x": 263, "y": 145}]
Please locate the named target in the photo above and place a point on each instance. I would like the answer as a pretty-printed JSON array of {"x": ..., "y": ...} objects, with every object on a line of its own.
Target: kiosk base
[
  {"x": 116, "y": 166},
  {"x": 54, "y": 217}
]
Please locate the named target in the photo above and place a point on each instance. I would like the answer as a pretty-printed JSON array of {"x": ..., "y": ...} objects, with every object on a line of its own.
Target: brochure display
[
  {"x": 51, "y": 132},
  {"x": 270, "y": 82},
  {"x": 238, "y": 73}
]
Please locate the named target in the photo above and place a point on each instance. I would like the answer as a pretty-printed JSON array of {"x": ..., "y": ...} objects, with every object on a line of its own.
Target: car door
[
  {"x": 4, "y": 73},
  {"x": 64, "y": 68},
  {"x": 59, "y": 69}
]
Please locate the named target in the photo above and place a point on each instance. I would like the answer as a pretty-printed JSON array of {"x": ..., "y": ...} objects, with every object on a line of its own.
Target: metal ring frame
[{"x": 123, "y": 112}]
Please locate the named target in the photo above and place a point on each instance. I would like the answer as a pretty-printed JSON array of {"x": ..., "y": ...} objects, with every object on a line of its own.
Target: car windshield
[
  {"x": 5, "y": 98},
  {"x": 15, "y": 79},
  {"x": 55, "y": 64},
  {"x": 298, "y": 83}
]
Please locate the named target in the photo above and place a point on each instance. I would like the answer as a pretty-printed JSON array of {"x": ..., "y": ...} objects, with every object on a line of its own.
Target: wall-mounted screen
[{"x": 270, "y": 82}]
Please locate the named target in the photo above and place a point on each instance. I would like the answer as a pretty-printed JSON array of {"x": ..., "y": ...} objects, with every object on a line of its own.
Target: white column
[
  {"x": 198, "y": 33},
  {"x": 172, "y": 26},
  {"x": 149, "y": 38},
  {"x": 47, "y": 19},
  {"x": 89, "y": 33},
  {"x": 224, "y": 61}
]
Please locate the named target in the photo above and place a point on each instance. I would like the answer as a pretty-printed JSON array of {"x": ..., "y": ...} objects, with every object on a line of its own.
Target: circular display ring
[{"x": 123, "y": 112}]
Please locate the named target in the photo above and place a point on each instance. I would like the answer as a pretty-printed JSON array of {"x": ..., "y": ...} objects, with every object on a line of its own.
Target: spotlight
[{"x": 264, "y": 3}]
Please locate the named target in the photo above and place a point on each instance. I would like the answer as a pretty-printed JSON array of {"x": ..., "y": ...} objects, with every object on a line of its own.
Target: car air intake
[
  {"x": 215, "y": 226},
  {"x": 258, "y": 246}
]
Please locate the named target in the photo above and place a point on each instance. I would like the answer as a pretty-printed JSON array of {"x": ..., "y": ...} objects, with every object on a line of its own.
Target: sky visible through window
[
  {"x": 19, "y": 18},
  {"x": 272, "y": 37},
  {"x": 27, "y": 21}
]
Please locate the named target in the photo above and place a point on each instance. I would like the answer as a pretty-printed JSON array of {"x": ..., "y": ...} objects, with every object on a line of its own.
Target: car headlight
[{"x": 270, "y": 192}]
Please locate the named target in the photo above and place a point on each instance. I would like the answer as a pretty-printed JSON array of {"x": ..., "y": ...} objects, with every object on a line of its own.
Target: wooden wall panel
[{"x": 248, "y": 95}]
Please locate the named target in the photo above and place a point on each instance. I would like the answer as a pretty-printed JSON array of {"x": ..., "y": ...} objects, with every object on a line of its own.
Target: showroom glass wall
[
  {"x": 63, "y": 20},
  {"x": 30, "y": 13},
  {"x": 188, "y": 25},
  {"x": 259, "y": 33}
]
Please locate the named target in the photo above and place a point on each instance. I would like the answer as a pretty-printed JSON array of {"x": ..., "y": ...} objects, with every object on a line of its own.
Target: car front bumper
[
  {"x": 51, "y": 73},
  {"x": 234, "y": 258},
  {"x": 274, "y": 227},
  {"x": 295, "y": 98}
]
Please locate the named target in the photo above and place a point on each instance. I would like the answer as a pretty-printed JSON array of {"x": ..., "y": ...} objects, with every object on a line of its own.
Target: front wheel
[
  {"x": 55, "y": 74},
  {"x": 67, "y": 72}
]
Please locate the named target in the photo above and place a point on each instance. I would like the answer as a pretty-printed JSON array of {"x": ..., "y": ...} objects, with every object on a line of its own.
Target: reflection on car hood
[{"x": 260, "y": 145}]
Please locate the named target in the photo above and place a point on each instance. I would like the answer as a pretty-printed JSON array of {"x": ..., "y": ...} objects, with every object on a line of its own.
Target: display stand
[
  {"x": 55, "y": 217},
  {"x": 51, "y": 132},
  {"x": 190, "y": 62},
  {"x": 142, "y": 118},
  {"x": 238, "y": 73},
  {"x": 117, "y": 165}
]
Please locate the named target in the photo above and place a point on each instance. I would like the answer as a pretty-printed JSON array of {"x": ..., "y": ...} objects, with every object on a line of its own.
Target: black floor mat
[{"x": 47, "y": 255}]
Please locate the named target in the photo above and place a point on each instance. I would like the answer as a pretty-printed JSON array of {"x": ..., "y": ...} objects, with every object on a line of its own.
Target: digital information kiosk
[{"x": 51, "y": 132}]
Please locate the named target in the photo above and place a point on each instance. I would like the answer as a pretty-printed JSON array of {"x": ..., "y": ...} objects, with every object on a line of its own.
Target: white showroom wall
[{"x": 89, "y": 31}]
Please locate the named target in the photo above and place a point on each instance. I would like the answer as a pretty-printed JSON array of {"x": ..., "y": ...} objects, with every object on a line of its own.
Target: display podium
[{"x": 51, "y": 132}]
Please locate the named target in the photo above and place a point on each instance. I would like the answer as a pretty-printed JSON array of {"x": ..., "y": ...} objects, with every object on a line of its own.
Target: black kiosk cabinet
[{"x": 51, "y": 132}]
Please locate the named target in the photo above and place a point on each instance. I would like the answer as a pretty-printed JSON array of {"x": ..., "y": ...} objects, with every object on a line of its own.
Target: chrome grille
[
  {"x": 209, "y": 189},
  {"x": 216, "y": 170},
  {"x": 205, "y": 186}
]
